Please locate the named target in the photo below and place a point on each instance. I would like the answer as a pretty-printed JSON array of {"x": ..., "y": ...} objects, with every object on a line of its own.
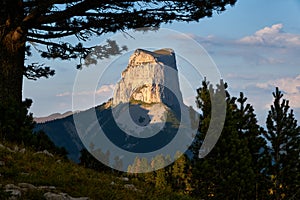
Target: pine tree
[
  {"x": 226, "y": 172},
  {"x": 158, "y": 163},
  {"x": 204, "y": 103},
  {"x": 118, "y": 164},
  {"x": 160, "y": 179},
  {"x": 134, "y": 168},
  {"x": 283, "y": 133},
  {"x": 251, "y": 132},
  {"x": 89, "y": 161},
  {"x": 181, "y": 178}
]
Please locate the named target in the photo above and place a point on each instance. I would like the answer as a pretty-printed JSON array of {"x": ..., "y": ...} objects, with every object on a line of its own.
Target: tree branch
[
  {"x": 50, "y": 36},
  {"x": 72, "y": 11},
  {"x": 35, "y": 71},
  {"x": 84, "y": 18}
]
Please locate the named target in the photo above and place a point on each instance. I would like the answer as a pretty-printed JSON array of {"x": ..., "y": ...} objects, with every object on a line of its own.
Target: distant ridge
[{"x": 52, "y": 117}]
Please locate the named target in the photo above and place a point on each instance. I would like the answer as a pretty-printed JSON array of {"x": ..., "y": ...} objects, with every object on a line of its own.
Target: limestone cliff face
[{"x": 150, "y": 77}]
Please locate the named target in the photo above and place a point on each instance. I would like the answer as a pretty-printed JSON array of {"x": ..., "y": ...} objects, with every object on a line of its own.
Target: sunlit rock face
[{"x": 150, "y": 77}]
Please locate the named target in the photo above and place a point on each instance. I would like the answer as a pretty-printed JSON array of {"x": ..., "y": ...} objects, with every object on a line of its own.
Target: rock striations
[{"x": 150, "y": 77}]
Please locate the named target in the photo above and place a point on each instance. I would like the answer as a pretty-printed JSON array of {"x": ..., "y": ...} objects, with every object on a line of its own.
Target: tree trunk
[
  {"x": 12, "y": 51},
  {"x": 12, "y": 55}
]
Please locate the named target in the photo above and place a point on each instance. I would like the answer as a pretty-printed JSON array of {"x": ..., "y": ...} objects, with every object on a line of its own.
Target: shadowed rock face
[{"x": 150, "y": 77}]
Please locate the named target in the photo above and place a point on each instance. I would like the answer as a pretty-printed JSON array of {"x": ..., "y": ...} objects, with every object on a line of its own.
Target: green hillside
[{"x": 51, "y": 174}]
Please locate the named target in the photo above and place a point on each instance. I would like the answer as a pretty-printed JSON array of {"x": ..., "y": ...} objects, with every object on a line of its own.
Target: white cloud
[
  {"x": 104, "y": 90},
  {"x": 272, "y": 36},
  {"x": 269, "y": 30},
  {"x": 290, "y": 87},
  {"x": 268, "y": 46}
]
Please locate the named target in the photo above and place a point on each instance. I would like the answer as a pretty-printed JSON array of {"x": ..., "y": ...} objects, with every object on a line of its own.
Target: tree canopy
[
  {"x": 42, "y": 22},
  {"x": 284, "y": 136}
]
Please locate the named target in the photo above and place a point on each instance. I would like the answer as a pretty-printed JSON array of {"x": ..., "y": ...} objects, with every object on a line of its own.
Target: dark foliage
[
  {"x": 89, "y": 161},
  {"x": 15, "y": 122},
  {"x": 22, "y": 131},
  {"x": 40, "y": 141},
  {"x": 226, "y": 172},
  {"x": 284, "y": 151},
  {"x": 44, "y": 22},
  {"x": 35, "y": 71}
]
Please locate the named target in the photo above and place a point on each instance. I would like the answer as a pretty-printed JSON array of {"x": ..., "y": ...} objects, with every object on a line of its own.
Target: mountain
[
  {"x": 63, "y": 133},
  {"x": 145, "y": 114},
  {"x": 150, "y": 77},
  {"x": 52, "y": 117}
]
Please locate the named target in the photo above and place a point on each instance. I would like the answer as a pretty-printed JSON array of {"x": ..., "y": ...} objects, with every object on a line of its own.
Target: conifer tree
[
  {"x": 134, "y": 168},
  {"x": 204, "y": 104},
  {"x": 251, "y": 132},
  {"x": 181, "y": 178},
  {"x": 89, "y": 161},
  {"x": 158, "y": 163},
  {"x": 118, "y": 164},
  {"x": 226, "y": 172},
  {"x": 283, "y": 133},
  {"x": 161, "y": 179}
]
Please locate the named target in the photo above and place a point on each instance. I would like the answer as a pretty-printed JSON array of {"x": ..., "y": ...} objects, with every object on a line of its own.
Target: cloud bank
[{"x": 273, "y": 36}]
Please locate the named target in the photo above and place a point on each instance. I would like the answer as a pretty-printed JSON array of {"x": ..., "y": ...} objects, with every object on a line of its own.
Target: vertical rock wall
[{"x": 150, "y": 77}]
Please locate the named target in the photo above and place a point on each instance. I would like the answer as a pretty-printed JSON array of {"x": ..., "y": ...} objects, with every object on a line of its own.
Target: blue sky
[{"x": 255, "y": 45}]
